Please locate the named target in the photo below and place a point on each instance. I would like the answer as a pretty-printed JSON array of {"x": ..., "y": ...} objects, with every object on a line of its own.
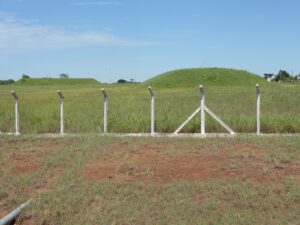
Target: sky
[{"x": 138, "y": 39}]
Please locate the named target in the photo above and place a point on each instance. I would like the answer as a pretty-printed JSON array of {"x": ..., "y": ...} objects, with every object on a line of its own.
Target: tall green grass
[{"x": 129, "y": 108}]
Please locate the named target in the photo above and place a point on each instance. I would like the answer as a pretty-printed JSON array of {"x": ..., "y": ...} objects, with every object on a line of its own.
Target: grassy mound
[
  {"x": 205, "y": 76},
  {"x": 56, "y": 81}
]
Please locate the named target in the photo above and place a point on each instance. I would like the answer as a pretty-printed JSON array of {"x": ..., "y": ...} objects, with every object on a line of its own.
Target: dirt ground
[
  {"x": 157, "y": 162},
  {"x": 22, "y": 158},
  {"x": 3, "y": 209},
  {"x": 149, "y": 162},
  {"x": 154, "y": 164}
]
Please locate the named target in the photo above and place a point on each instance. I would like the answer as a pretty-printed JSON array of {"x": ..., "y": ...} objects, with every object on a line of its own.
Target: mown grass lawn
[{"x": 106, "y": 180}]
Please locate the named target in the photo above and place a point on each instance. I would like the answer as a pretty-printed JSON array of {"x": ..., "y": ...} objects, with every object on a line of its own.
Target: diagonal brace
[
  {"x": 188, "y": 120},
  {"x": 219, "y": 120}
]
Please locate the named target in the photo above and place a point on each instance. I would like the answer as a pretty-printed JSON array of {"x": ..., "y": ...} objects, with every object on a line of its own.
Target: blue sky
[{"x": 112, "y": 39}]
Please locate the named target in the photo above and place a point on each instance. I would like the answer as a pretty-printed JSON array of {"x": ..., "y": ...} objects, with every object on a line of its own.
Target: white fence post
[
  {"x": 105, "y": 110},
  {"x": 202, "y": 109},
  {"x": 17, "y": 112},
  {"x": 257, "y": 109},
  {"x": 62, "y": 127},
  {"x": 152, "y": 111}
]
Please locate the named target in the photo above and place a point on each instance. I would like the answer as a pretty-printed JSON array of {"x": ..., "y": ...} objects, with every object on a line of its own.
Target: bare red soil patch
[
  {"x": 2, "y": 213},
  {"x": 99, "y": 169},
  {"x": 52, "y": 176},
  {"x": 28, "y": 220},
  {"x": 3, "y": 209},
  {"x": 24, "y": 163},
  {"x": 27, "y": 156},
  {"x": 154, "y": 164}
]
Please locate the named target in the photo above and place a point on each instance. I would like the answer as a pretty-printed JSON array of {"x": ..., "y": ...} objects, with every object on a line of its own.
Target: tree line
[
  {"x": 25, "y": 76},
  {"x": 283, "y": 76}
]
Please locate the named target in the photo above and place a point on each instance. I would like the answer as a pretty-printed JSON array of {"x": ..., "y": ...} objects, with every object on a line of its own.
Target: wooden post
[
  {"x": 258, "y": 109},
  {"x": 62, "y": 127},
  {"x": 202, "y": 109},
  {"x": 152, "y": 114},
  {"x": 17, "y": 112},
  {"x": 105, "y": 110}
]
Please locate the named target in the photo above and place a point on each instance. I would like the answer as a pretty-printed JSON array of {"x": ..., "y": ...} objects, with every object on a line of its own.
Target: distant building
[{"x": 269, "y": 76}]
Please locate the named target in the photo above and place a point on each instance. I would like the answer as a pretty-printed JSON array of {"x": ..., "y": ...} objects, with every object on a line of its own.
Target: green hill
[
  {"x": 205, "y": 76},
  {"x": 56, "y": 81}
]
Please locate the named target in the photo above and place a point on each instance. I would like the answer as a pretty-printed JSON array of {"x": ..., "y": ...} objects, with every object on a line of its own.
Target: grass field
[
  {"x": 205, "y": 76},
  {"x": 129, "y": 104},
  {"x": 94, "y": 179},
  {"x": 101, "y": 180},
  {"x": 56, "y": 82}
]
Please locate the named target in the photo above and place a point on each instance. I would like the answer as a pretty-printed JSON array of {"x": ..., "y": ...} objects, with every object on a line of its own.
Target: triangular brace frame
[{"x": 202, "y": 109}]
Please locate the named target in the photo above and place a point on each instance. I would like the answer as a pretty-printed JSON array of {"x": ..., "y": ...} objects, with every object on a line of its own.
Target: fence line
[{"x": 203, "y": 109}]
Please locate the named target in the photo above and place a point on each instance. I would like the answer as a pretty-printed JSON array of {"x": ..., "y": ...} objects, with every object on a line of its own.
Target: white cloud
[
  {"x": 97, "y": 3},
  {"x": 22, "y": 36}
]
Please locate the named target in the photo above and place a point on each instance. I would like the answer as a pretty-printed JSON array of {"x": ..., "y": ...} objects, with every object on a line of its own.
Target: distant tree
[
  {"x": 122, "y": 81},
  {"x": 24, "y": 76},
  {"x": 131, "y": 80},
  {"x": 3, "y": 82},
  {"x": 283, "y": 76},
  {"x": 64, "y": 75}
]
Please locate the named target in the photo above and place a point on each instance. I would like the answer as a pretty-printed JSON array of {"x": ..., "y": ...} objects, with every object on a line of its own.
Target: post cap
[
  {"x": 14, "y": 94},
  {"x": 60, "y": 94},
  {"x": 150, "y": 90},
  {"x": 257, "y": 89},
  {"x": 104, "y": 92}
]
